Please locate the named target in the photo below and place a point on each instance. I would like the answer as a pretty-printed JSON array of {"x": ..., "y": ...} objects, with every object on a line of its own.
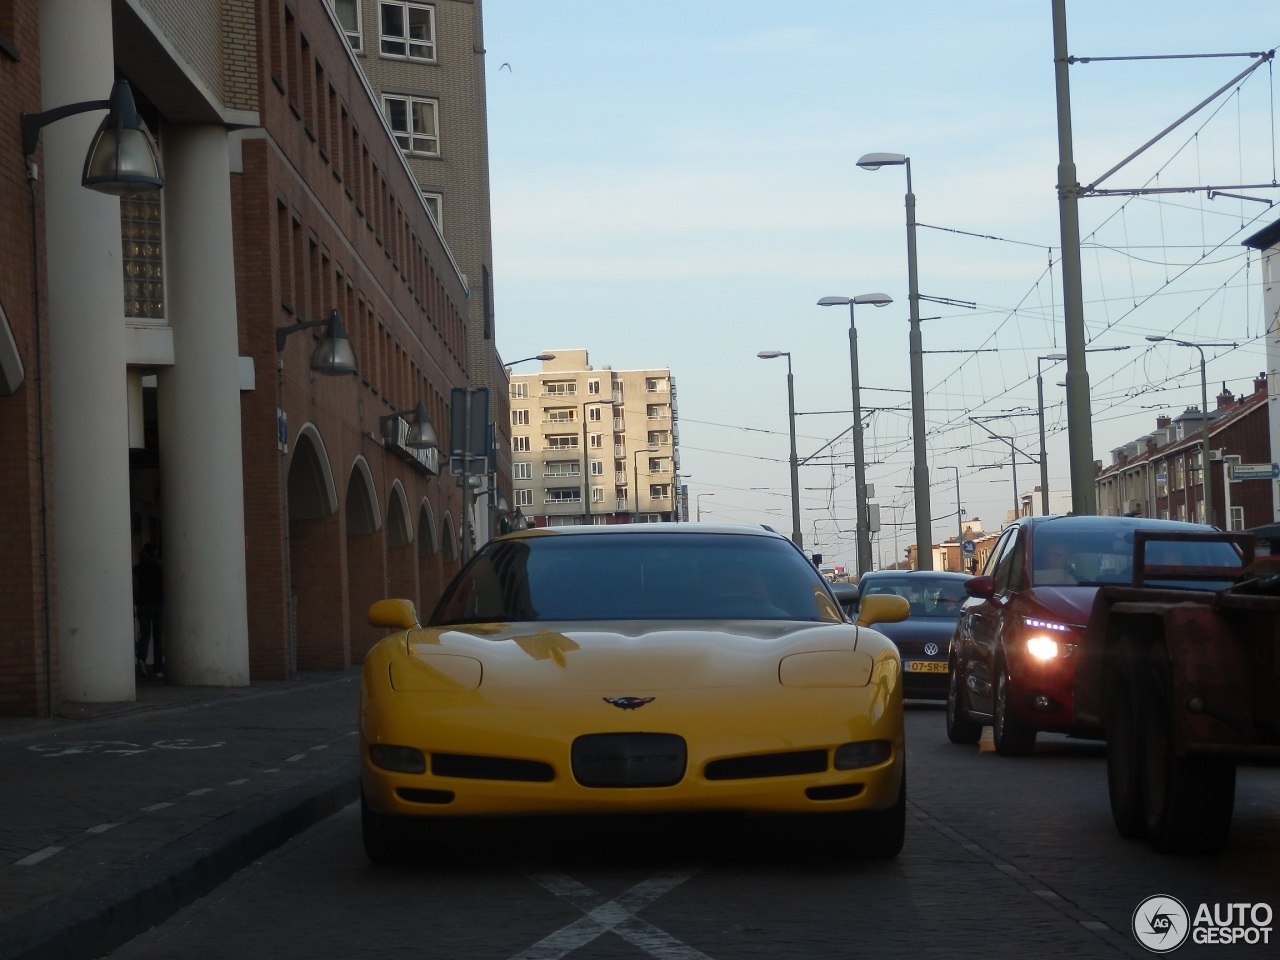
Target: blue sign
[
  {"x": 1255, "y": 471},
  {"x": 969, "y": 548}
]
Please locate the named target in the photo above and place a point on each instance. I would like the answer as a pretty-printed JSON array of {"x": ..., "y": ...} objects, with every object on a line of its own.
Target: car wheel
[
  {"x": 884, "y": 832},
  {"x": 385, "y": 839},
  {"x": 1187, "y": 800},
  {"x": 1012, "y": 738},
  {"x": 960, "y": 729},
  {"x": 1125, "y": 715}
]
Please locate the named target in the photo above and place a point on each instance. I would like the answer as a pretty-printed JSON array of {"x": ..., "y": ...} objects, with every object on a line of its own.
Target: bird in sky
[{"x": 507, "y": 66}]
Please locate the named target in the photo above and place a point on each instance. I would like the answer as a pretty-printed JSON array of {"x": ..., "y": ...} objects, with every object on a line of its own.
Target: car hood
[
  {"x": 633, "y": 655},
  {"x": 1068, "y": 603},
  {"x": 914, "y": 632}
]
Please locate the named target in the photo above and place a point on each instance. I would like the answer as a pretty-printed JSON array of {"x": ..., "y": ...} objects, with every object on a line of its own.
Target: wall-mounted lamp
[
  {"x": 123, "y": 158},
  {"x": 421, "y": 435},
  {"x": 334, "y": 354}
]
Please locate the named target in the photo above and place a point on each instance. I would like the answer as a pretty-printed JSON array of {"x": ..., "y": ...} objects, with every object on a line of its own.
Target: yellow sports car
[{"x": 650, "y": 668}]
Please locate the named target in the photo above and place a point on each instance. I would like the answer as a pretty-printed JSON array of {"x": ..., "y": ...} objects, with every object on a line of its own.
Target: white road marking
[
  {"x": 1095, "y": 925},
  {"x": 617, "y": 915},
  {"x": 157, "y": 806},
  {"x": 101, "y": 827},
  {"x": 323, "y": 746},
  {"x": 201, "y": 792},
  {"x": 32, "y": 859},
  {"x": 236, "y": 783},
  {"x": 295, "y": 758}
]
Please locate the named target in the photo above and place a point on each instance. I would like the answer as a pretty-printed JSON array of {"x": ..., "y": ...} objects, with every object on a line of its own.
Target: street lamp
[
  {"x": 698, "y": 501},
  {"x": 635, "y": 476},
  {"x": 586, "y": 460},
  {"x": 421, "y": 434},
  {"x": 924, "y": 519},
  {"x": 1204, "y": 419},
  {"x": 861, "y": 510},
  {"x": 333, "y": 355},
  {"x": 796, "y": 537},
  {"x": 536, "y": 356},
  {"x": 959, "y": 518}
]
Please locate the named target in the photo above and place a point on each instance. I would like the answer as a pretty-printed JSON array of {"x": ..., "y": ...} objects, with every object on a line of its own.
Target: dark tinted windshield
[
  {"x": 928, "y": 596},
  {"x": 637, "y": 577},
  {"x": 1062, "y": 556}
]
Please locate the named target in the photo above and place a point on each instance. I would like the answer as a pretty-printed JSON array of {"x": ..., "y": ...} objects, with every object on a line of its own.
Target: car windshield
[
  {"x": 637, "y": 576},
  {"x": 928, "y": 596},
  {"x": 1063, "y": 557}
]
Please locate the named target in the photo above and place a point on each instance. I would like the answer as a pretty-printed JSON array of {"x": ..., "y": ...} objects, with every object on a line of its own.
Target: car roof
[
  {"x": 648, "y": 529},
  {"x": 940, "y": 574},
  {"x": 1103, "y": 523}
]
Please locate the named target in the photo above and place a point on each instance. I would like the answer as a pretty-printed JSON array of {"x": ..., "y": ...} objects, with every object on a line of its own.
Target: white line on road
[
  {"x": 201, "y": 792},
  {"x": 101, "y": 827},
  {"x": 157, "y": 806},
  {"x": 236, "y": 783},
  {"x": 295, "y": 757},
  {"x": 32, "y": 859},
  {"x": 617, "y": 915}
]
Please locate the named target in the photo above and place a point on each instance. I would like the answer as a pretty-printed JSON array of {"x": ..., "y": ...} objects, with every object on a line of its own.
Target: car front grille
[
  {"x": 629, "y": 759},
  {"x": 491, "y": 768},
  {"x": 767, "y": 765}
]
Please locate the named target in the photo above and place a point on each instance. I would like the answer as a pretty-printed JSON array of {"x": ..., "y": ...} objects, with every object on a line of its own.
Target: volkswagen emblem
[
  {"x": 628, "y": 703},
  {"x": 931, "y": 649}
]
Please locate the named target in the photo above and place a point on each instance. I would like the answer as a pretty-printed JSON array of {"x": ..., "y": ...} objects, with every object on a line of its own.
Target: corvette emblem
[
  {"x": 931, "y": 649},
  {"x": 628, "y": 703}
]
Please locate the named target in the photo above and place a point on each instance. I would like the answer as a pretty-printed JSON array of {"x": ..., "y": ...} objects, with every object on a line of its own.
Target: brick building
[{"x": 182, "y": 404}]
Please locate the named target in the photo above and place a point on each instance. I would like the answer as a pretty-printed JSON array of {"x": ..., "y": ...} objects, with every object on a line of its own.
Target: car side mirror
[
  {"x": 981, "y": 587},
  {"x": 394, "y": 614},
  {"x": 882, "y": 608}
]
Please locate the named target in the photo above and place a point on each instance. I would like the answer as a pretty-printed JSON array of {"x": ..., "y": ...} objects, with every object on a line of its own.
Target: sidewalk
[{"x": 113, "y": 816}]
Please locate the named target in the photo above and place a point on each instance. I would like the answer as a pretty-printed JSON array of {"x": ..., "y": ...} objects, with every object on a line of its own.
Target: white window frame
[
  {"x": 425, "y": 48},
  {"x": 524, "y": 497},
  {"x": 596, "y": 440},
  {"x": 354, "y": 35},
  {"x": 413, "y": 141},
  {"x": 597, "y": 495},
  {"x": 434, "y": 203},
  {"x": 520, "y": 444},
  {"x": 597, "y": 468},
  {"x": 522, "y": 470},
  {"x": 518, "y": 391},
  {"x": 593, "y": 387},
  {"x": 519, "y": 418}
]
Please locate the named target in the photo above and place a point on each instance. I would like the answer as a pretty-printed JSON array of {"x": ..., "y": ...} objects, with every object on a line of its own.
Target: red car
[{"x": 1013, "y": 653}]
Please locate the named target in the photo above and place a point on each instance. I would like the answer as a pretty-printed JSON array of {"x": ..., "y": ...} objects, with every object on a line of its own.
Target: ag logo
[{"x": 1161, "y": 924}]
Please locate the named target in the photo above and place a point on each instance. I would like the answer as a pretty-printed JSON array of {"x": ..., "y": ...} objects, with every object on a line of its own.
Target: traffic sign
[
  {"x": 1255, "y": 471},
  {"x": 968, "y": 548}
]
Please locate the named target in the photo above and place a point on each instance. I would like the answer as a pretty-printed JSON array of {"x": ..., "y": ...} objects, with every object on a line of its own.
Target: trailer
[{"x": 1181, "y": 668}]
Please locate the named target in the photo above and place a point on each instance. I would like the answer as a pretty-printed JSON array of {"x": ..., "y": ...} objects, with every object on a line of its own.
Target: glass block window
[{"x": 143, "y": 263}]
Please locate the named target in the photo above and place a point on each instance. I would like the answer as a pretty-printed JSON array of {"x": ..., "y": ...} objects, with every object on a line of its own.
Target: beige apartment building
[{"x": 594, "y": 446}]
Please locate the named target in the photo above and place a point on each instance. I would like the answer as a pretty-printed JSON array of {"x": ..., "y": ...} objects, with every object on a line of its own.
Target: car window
[
  {"x": 993, "y": 558},
  {"x": 1005, "y": 565},
  {"x": 1062, "y": 556},
  {"x": 637, "y": 577},
  {"x": 927, "y": 596}
]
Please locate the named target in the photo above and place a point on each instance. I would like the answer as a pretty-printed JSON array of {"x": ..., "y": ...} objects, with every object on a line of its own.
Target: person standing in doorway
[{"x": 148, "y": 598}]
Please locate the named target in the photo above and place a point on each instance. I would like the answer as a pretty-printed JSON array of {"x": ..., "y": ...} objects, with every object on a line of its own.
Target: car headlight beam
[{"x": 1042, "y": 648}]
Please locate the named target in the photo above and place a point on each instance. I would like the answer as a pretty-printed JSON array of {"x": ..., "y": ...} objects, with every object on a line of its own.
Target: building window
[
  {"x": 408, "y": 30},
  {"x": 593, "y": 387},
  {"x": 414, "y": 122},
  {"x": 564, "y": 495},
  {"x": 519, "y": 418},
  {"x": 597, "y": 496},
  {"x": 659, "y": 491},
  {"x": 520, "y": 444},
  {"x": 654, "y": 385},
  {"x": 522, "y": 471},
  {"x": 434, "y": 203},
  {"x": 659, "y": 438},
  {"x": 597, "y": 468},
  {"x": 518, "y": 391},
  {"x": 562, "y": 468},
  {"x": 560, "y": 416},
  {"x": 524, "y": 498},
  {"x": 593, "y": 413},
  {"x": 348, "y": 12},
  {"x": 656, "y": 411},
  {"x": 568, "y": 388},
  {"x": 142, "y": 262},
  {"x": 561, "y": 443},
  {"x": 597, "y": 441},
  {"x": 1236, "y": 520}
]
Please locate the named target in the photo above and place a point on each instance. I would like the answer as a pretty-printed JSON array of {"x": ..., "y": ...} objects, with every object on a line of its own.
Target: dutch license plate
[{"x": 927, "y": 666}]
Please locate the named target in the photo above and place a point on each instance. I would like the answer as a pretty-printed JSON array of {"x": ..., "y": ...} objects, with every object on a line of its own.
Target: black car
[{"x": 922, "y": 639}]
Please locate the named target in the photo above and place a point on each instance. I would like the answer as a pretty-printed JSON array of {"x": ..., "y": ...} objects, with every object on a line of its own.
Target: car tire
[
  {"x": 1188, "y": 801},
  {"x": 960, "y": 729},
  {"x": 1012, "y": 738},
  {"x": 385, "y": 837},
  {"x": 885, "y": 831},
  {"x": 1126, "y": 713}
]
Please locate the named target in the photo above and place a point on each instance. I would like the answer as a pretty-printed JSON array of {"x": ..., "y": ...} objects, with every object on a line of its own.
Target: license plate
[{"x": 927, "y": 666}]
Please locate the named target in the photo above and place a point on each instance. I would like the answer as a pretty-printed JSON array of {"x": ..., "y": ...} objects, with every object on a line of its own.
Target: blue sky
[{"x": 677, "y": 187}]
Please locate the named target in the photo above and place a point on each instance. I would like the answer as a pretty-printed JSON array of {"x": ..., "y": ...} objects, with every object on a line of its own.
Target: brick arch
[
  {"x": 319, "y": 638},
  {"x": 430, "y": 556},
  {"x": 402, "y": 560},
  {"x": 366, "y": 557}
]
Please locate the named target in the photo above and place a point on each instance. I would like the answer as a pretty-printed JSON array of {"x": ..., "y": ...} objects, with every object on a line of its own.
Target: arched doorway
[
  {"x": 402, "y": 567},
  {"x": 366, "y": 568},
  {"x": 430, "y": 570},
  {"x": 317, "y": 615}
]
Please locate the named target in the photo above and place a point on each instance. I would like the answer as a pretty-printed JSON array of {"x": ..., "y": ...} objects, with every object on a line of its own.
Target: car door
[{"x": 986, "y": 618}]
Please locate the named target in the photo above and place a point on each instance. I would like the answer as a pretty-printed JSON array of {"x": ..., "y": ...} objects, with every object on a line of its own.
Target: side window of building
[
  {"x": 414, "y": 122},
  {"x": 408, "y": 30}
]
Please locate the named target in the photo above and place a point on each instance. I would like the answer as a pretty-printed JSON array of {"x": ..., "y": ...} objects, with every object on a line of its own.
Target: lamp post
[
  {"x": 698, "y": 501},
  {"x": 924, "y": 519},
  {"x": 635, "y": 476},
  {"x": 1044, "y": 463},
  {"x": 861, "y": 510},
  {"x": 586, "y": 459},
  {"x": 536, "y": 356},
  {"x": 959, "y": 518},
  {"x": 796, "y": 537},
  {"x": 1204, "y": 419}
]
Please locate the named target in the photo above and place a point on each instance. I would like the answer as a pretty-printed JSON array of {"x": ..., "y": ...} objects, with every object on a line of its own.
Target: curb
[{"x": 88, "y": 923}]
